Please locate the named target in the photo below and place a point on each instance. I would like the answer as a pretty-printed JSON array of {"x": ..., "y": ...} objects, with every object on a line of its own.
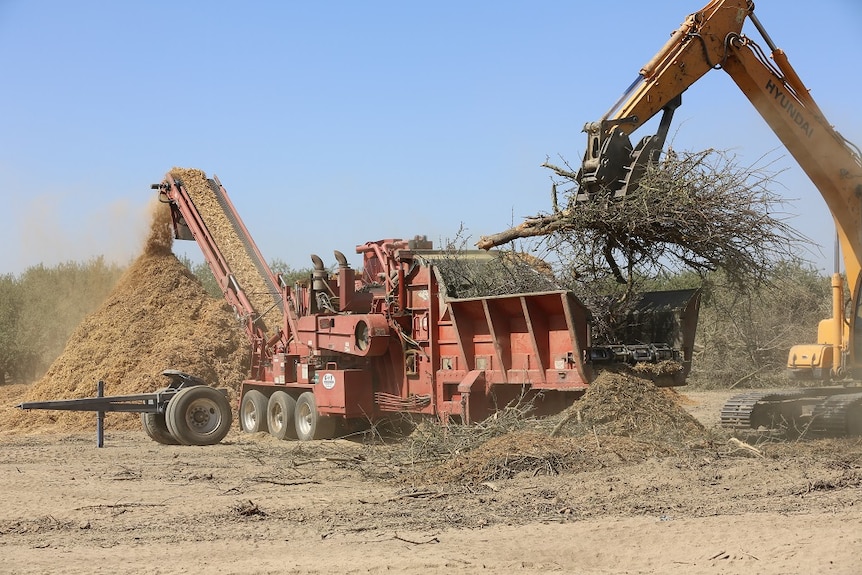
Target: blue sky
[{"x": 334, "y": 123}]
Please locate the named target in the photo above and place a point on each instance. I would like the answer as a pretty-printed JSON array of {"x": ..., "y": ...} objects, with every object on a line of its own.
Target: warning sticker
[{"x": 328, "y": 380}]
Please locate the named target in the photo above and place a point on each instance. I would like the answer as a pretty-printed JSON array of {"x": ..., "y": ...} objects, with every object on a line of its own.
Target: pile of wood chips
[{"x": 158, "y": 317}]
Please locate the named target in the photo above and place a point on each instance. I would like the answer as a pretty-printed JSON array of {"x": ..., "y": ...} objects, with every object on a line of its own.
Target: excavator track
[
  {"x": 830, "y": 411},
  {"x": 736, "y": 412},
  {"x": 759, "y": 408},
  {"x": 839, "y": 415}
]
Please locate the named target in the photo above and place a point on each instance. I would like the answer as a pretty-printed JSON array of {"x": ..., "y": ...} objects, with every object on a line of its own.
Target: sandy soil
[{"x": 256, "y": 505}]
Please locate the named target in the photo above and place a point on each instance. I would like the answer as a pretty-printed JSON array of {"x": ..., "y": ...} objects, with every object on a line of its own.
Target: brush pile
[
  {"x": 622, "y": 418},
  {"x": 622, "y": 403}
]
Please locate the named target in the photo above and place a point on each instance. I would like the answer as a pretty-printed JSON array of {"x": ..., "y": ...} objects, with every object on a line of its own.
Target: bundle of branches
[
  {"x": 696, "y": 210},
  {"x": 432, "y": 441},
  {"x": 471, "y": 273},
  {"x": 465, "y": 277}
]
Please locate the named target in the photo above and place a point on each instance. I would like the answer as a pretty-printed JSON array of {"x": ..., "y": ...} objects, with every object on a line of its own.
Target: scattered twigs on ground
[{"x": 745, "y": 446}]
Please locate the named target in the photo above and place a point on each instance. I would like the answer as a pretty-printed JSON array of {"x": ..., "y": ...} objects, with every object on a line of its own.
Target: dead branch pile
[
  {"x": 651, "y": 370},
  {"x": 465, "y": 276},
  {"x": 158, "y": 317},
  {"x": 701, "y": 211},
  {"x": 622, "y": 417},
  {"x": 432, "y": 441},
  {"x": 532, "y": 452}
]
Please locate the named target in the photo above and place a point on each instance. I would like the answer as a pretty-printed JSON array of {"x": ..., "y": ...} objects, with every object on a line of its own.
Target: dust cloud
[{"x": 57, "y": 228}]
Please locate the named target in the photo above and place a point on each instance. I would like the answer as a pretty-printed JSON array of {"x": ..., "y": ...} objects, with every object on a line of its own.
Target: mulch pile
[
  {"x": 624, "y": 404},
  {"x": 158, "y": 317}
]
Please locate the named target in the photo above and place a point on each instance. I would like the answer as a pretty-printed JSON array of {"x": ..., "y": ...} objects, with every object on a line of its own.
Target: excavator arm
[
  {"x": 712, "y": 38},
  {"x": 611, "y": 164}
]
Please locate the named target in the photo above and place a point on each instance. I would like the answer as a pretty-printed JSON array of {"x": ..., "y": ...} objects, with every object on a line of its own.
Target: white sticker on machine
[{"x": 328, "y": 380}]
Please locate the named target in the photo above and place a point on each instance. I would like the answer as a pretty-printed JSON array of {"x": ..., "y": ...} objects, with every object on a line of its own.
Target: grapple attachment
[{"x": 659, "y": 327}]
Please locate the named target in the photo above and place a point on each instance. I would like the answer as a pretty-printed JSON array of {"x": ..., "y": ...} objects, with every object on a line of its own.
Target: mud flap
[{"x": 473, "y": 382}]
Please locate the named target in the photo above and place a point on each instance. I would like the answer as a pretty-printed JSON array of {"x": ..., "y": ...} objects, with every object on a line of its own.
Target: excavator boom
[{"x": 713, "y": 38}]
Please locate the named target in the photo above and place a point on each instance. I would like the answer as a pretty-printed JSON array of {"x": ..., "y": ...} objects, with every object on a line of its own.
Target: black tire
[
  {"x": 280, "y": 412},
  {"x": 157, "y": 429},
  {"x": 198, "y": 415},
  {"x": 169, "y": 415},
  {"x": 253, "y": 412},
  {"x": 310, "y": 424}
]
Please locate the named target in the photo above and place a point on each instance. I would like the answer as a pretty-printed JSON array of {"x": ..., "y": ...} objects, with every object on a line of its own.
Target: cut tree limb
[{"x": 532, "y": 227}]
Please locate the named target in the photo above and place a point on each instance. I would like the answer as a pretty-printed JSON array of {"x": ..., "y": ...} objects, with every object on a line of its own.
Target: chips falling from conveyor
[{"x": 251, "y": 273}]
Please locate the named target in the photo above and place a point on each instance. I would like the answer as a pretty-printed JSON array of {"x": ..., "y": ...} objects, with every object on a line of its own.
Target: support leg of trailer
[{"x": 100, "y": 416}]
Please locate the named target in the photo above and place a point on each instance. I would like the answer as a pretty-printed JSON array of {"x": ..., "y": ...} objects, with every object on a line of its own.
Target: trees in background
[
  {"x": 10, "y": 343},
  {"x": 743, "y": 336},
  {"x": 203, "y": 272},
  {"x": 40, "y": 308}
]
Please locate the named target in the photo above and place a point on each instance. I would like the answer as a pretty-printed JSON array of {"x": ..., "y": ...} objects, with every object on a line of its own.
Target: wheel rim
[
  {"x": 249, "y": 416},
  {"x": 304, "y": 418},
  {"x": 277, "y": 418},
  {"x": 203, "y": 416}
]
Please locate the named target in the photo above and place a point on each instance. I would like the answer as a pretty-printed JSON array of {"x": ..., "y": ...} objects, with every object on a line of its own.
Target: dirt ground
[{"x": 256, "y": 505}]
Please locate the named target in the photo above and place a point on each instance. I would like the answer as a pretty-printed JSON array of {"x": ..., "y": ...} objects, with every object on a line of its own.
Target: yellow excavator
[{"x": 709, "y": 39}]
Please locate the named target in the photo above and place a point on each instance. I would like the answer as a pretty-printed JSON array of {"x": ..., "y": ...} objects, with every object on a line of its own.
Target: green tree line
[{"x": 203, "y": 272}]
